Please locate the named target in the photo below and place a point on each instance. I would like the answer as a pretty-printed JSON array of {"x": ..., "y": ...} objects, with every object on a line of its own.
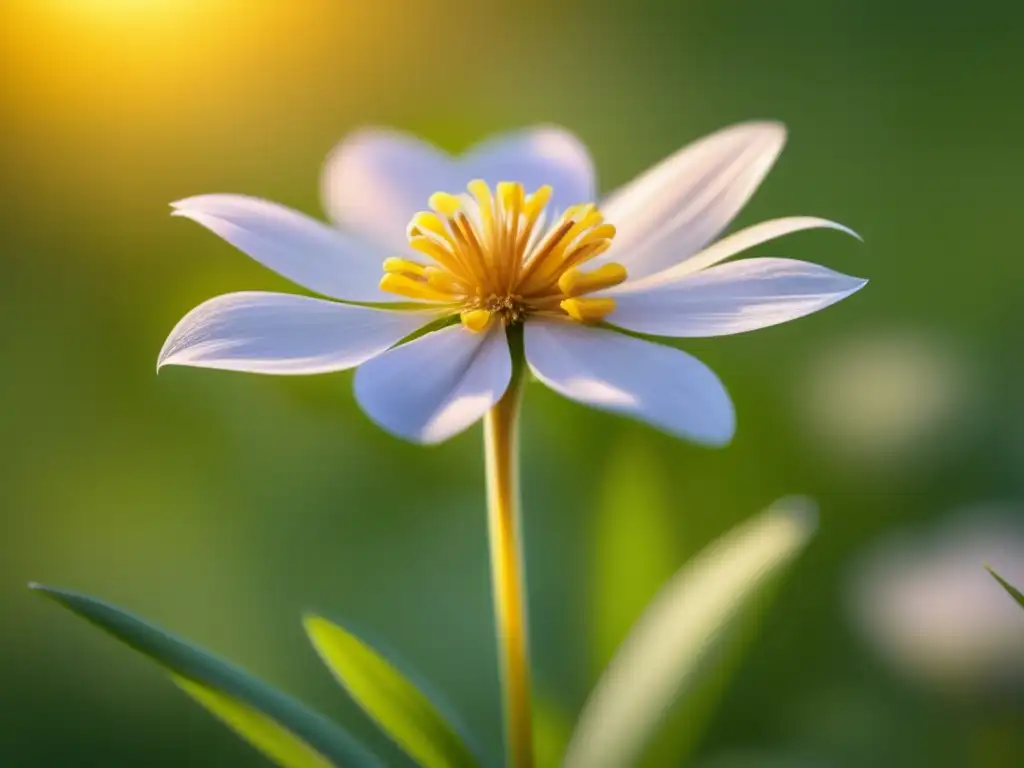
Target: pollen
[
  {"x": 491, "y": 255},
  {"x": 574, "y": 282},
  {"x": 476, "y": 319},
  {"x": 588, "y": 310}
]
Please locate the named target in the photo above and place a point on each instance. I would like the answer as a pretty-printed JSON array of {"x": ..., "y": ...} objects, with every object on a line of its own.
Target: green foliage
[
  {"x": 269, "y": 737},
  {"x": 552, "y": 729},
  {"x": 279, "y": 726},
  {"x": 683, "y": 633},
  {"x": 398, "y": 706},
  {"x": 634, "y": 547},
  {"x": 636, "y": 551},
  {"x": 1011, "y": 590}
]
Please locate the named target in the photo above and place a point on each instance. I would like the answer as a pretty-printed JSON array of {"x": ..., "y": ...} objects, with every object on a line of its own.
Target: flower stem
[{"x": 508, "y": 583}]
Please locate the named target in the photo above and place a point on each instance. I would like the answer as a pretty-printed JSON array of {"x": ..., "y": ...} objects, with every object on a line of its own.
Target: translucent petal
[
  {"x": 283, "y": 334},
  {"x": 306, "y": 251},
  {"x": 662, "y": 386},
  {"x": 732, "y": 298},
  {"x": 728, "y": 247},
  {"x": 680, "y": 205},
  {"x": 375, "y": 180},
  {"x": 437, "y": 385}
]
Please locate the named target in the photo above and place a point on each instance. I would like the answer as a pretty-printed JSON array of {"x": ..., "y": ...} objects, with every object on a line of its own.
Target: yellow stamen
[
  {"x": 509, "y": 192},
  {"x": 491, "y": 257},
  {"x": 554, "y": 260},
  {"x": 443, "y": 280},
  {"x": 511, "y": 196},
  {"x": 431, "y": 247},
  {"x": 427, "y": 222},
  {"x": 588, "y": 310},
  {"x": 533, "y": 206},
  {"x": 584, "y": 253},
  {"x": 403, "y": 267},
  {"x": 465, "y": 228},
  {"x": 445, "y": 204},
  {"x": 541, "y": 254},
  {"x": 476, "y": 320},
  {"x": 576, "y": 283},
  {"x": 485, "y": 201},
  {"x": 536, "y": 202},
  {"x": 600, "y": 232},
  {"x": 468, "y": 248},
  {"x": 412, "y": 288},
  {"x": 588, "y": 219}
]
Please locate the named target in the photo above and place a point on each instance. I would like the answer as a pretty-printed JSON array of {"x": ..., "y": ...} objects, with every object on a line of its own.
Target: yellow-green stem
[{"x": 508, "y": 582}]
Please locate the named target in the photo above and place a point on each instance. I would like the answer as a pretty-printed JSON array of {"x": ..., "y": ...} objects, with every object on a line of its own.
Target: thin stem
[{"x": 500, "y": 433}]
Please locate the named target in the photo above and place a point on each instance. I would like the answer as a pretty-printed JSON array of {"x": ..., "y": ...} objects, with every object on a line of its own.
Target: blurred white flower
[
  {"x": 926, "y": 603},
  {"x": 887, "y": 397},
  {"x": 492, "y": 257}
]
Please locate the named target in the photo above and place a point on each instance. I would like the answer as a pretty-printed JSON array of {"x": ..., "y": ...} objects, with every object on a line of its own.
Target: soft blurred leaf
[
  {"x": 1012, "y": 590},
  {"x": 276, "y": 742},
  {"x": 552, "y": 729},
  {"x": 682, "y": 632},
  {"x": 278, "y": 725},
  {"x": 398, "y": 706},
  {"x": 684, "y": 723},
  {"x": 635, "y": 547}
]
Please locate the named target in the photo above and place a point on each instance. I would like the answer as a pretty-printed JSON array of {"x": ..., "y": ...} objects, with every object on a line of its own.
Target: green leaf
[
  {"x": 278, "y": 725},
  {"x": 398, "y": 707},
  {"x": 270, "y": 738},
  {"x": 683, "y": 631},
  {"x": 1012, "y": 590}
]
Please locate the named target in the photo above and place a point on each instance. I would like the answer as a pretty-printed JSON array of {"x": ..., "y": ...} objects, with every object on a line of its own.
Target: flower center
[{"x": 490, "y": 256}]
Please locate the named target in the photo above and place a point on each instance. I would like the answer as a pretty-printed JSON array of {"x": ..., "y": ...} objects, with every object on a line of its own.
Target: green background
[{"x": 223, "y": 505}]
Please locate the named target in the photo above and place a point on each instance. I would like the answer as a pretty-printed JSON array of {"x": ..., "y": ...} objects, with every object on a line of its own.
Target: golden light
[
  {"x": 81, "y": 59},
  {"x": 115, "y": 7},
  {"x": 85, "y": 59},
  {"x": 105, "y": 91}
]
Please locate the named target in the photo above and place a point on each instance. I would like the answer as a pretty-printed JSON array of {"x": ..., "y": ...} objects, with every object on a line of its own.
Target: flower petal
[
  {"x": 535, "y": 157},
  {"x": 732, "y": 298},
  {"x": 680, "y": 205},
  {"x": 437, "y": 385},
  {"x": 282, "y": 334},
  {"x": 306, "y": 251},
  {"x": 375, "y": 180},
  {"x": 729, "y": 246},
  {"x": 662, "y": 386}
]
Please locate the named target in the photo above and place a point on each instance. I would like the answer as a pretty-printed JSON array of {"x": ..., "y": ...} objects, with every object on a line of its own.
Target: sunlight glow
[
  {"x": 104, "y": 58},
  {"x": 104, "y": 7}
]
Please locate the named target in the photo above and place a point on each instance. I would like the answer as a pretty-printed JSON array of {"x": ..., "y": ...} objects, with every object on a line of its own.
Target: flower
[
  {"x": 924, "y": 601},
  {"x": 510, "y": 240},
  {"x": 890, "y": 399}
]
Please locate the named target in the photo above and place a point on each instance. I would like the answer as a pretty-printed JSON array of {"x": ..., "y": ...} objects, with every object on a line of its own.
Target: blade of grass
[
  {"x": 243, "y": 701},
  {"x": 682, "y": 633},
  {"x": 1010, "y": 589},
  {"x": 402, "y": 711}
]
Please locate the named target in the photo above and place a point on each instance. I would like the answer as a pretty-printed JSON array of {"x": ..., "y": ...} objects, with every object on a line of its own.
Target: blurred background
[{"x": 222, "y": 505}]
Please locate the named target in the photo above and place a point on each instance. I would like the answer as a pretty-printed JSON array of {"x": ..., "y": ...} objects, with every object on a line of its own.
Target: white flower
[
  {"x": 522, "y": 245},
  {"x": 890, "y": 399},
  {"x": 925, "y": 602}
]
